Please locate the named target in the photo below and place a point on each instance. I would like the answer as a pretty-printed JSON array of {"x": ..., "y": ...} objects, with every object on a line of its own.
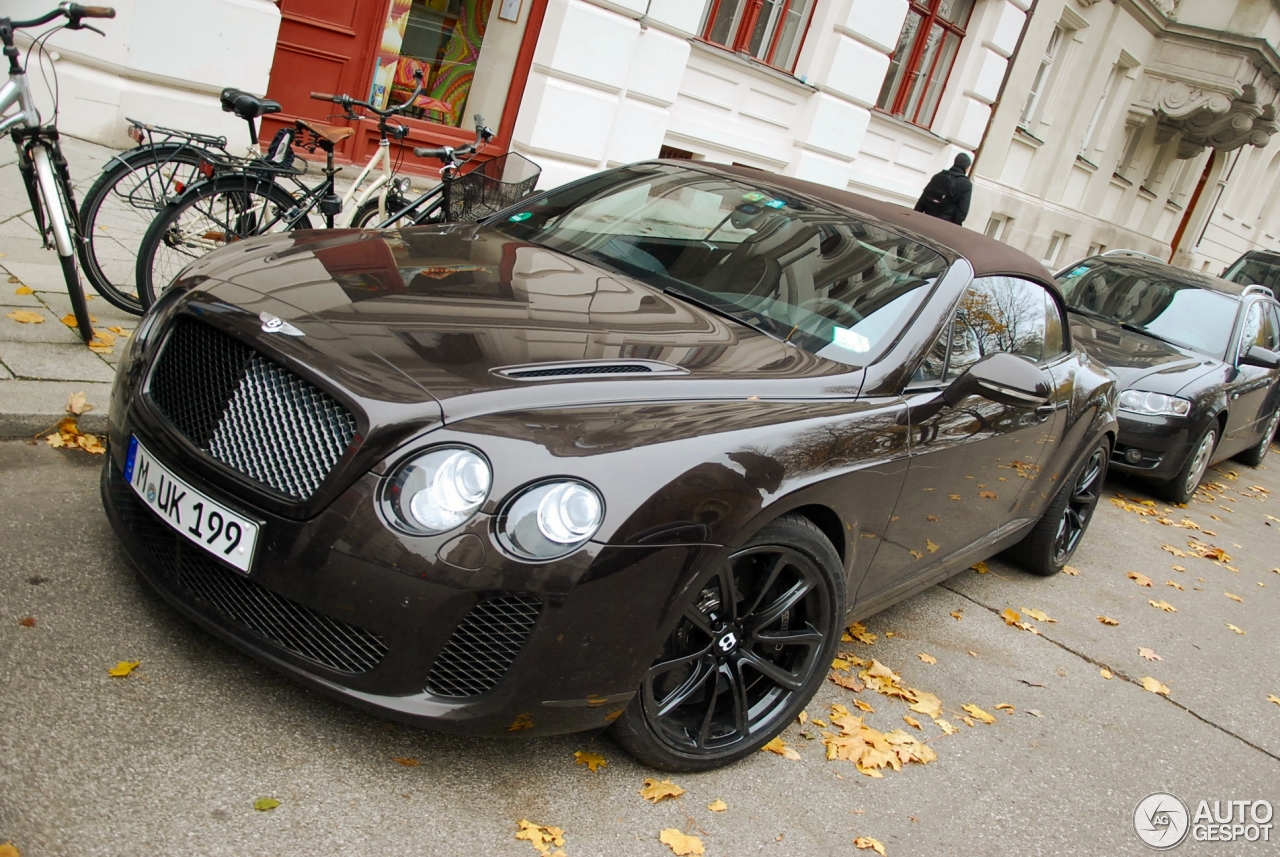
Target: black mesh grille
[
  {"x": 483, "y": 648},
  {"x": 613, "y": 369},
  {"x": 308, "y": 634},
  {"x": 247, "y": 412}
]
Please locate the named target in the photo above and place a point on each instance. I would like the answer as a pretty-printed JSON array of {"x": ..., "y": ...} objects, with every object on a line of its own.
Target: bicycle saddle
[
  {"x": 246, "y": 105},
  {"x": 326, "y": 133}
]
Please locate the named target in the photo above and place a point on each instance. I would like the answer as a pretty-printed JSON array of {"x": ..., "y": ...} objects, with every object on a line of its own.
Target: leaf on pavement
[
  {"x": 1150, "y": 684},
  {"x": 123, "y": 668},
  {"x": 1139, "y": 578},
  {"x": 946, "y": 727},
  {"x": 968, "y": 721},
  {"x": 866, "y": 843},
  {"x": 978, "y": 713},
  {"x": 925, "y": 703},
  {"x": 25, "y": 316},
  {"x": 522, "y": 721},
  {"x": 917, "y": 554},
  {"x": 655, "y": 790},
  {"x": 1234, "y": 628},
  {"x": 1038, "y": 615},
  {"x": 265, "y": 804},
  {"x": 957, "y": 614},
  {"x": 848, "y": 682},
  {"x": 1105, "y": 673},
  {"x": 954, "y": 496},
  {"x": 28, "y": 622},
  {"x": 911, "y": 721},
  {"x": 980, "y": 567},
  {"x": 1233, "y": 597},
  {"x": 931, "y": 546},
  {"x": 840, "y": 664},
  {"x": 1271, "y": 697},
  {"x": 24, "y": 290},
  {"x": 1208, "y": 551},
  {"x": 102, "y": 342},
  {"x": 1107, "y": 620},
  {"x": 77, "y": 404},
  {"x": 717, "y": 806},
  {"x": 680, "y": 844},
  {"x": 1175, "y": 551},
  {"x": 1175, "y": 585},
  {"x": 541, "y": 838},
  {"x": 777, "y": 745},
  {"x": 862, "y": 706},
  {"x": 1011, "y": 616},
  {"x": 1074, "y": 572},
  {"x": 8, "y": 849},
  {"x": 987, "y": 495},
  {"x": 407, "y": 762},
  {"x": 1149, "y": 654},
  {"x": 927, "y": 658},
  {"x": 70, "y": 320},
  {"x": 860, "y": 634},
  {"x": 1163, "y": 605}
]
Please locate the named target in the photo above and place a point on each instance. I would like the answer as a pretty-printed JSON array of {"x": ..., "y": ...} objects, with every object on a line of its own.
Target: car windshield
[
  {"x": 784, "y": 264},
  {"x": 1179, "y": 312},
  {"x": 1260, "y": 269}
]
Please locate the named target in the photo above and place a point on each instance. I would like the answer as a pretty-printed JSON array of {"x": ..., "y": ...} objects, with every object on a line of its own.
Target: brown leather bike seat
[{"x": 327, "y": 133}]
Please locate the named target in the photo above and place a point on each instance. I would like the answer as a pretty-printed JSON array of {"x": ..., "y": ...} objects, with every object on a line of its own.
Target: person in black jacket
[{"x": 947, "y": 193}]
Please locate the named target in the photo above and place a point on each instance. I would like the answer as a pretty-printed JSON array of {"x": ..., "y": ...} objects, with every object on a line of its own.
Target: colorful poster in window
[{"x": 389, "y": 51}]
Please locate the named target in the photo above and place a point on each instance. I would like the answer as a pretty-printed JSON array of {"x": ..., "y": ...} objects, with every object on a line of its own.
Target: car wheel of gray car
[
  {"x": 1053, "y": 541},
  {"x": 1255, "y": 454},
  {"x": 750, "y": 649},
  {"x": 1182, "y": 487}
]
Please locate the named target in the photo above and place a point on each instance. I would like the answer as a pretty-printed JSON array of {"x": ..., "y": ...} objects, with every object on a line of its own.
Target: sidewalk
[{"x": 42, "y": 364}]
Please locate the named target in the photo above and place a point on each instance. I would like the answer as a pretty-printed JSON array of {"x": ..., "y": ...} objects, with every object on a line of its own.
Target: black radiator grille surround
[
  {"x": 307, "y": 633},
  {"x": 247, "y": 412},
  {"x": 484, "y": 646}
]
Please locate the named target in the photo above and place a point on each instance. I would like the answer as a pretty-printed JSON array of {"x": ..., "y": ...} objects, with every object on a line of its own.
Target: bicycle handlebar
[
  {"x": 73, "y": 12},
  {"x": 324, "y": 96}
]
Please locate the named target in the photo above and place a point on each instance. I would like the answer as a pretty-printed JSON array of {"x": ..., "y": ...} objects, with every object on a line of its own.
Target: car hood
[
  {"x": 1137, "y": 360},
  {"x": 465, "y": 313}
]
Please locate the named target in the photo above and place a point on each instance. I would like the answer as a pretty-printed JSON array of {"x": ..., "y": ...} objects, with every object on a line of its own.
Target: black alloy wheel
[
  {"x": 1080, "y": 505},
  {"x": 1054, "y": 539},
  {"x": 748, "y": 652}
]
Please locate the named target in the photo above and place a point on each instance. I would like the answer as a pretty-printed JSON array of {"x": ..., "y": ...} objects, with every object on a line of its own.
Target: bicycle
[
  {"x": 40, "y": 161},
  {"x": 137, "y": 184},
  {"x": 240, "y": 198}
]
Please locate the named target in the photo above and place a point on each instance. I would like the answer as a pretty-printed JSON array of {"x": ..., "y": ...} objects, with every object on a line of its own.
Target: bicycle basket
[{"x": 490, "y": 187}]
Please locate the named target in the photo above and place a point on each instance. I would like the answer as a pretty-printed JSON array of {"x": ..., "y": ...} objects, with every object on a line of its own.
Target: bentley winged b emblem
[{"x": 275, "y": 324}]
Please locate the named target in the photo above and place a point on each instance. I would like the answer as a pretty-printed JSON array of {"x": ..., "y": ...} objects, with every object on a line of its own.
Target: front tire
[
  {"x": 1181, "y": 488},
  {"x": 1053, "y": 541},
  {"x": 367, "y": 216},
  {"x": 1255, "y": 455},
  {"x": 749, "y": 651}
]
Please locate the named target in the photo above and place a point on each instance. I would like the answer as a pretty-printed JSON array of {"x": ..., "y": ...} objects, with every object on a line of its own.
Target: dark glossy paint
[
  {"x": 410, "y": 331},
  {"x": 1238, "y": 398}
]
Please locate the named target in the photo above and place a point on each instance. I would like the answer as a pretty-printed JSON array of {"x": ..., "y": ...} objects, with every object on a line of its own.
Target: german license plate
[{"x": 222, "y": 532}]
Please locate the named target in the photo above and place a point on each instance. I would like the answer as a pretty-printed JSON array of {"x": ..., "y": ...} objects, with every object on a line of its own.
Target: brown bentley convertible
[{"x": 627, "y": 455}]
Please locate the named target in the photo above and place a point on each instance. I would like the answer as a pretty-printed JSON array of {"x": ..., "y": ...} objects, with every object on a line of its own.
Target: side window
[
  {"x": 1275, "y": 323},
  {"x": 1252, "y": 332},
  {"x": 996, "y": 314},
  {"x": 1267, "y": 332},
  {"x": 1055, "y": 340},
  {"x": 935, "y": 362}
]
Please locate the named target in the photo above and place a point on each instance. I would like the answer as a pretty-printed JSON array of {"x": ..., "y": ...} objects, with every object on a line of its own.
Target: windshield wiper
[
  {"x": 1127, "y": 325},
  {"x": 762, "y": 323}
]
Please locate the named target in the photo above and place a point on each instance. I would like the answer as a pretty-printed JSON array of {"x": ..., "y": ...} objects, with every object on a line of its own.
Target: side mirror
[
  {"x": 1002, "y": 378},
  {"x": 1263, "y": 358}
]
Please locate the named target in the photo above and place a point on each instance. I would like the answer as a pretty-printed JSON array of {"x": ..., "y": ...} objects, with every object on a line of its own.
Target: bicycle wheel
[
  {"x": 62, "y": 219},
  {"x": 120, "y": 206},
  {"x": 219, "y": 212},
  {"x": 367, "y": 215}
]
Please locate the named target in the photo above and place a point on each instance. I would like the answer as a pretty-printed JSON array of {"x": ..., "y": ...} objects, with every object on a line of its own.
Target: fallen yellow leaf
[
  {"x": 680, "y": 844},
  {"x": 1006, "y": 708},
  {"x": 1163, "y": 605},
  {"x": 1150, "y": 684},
  {"x": 408, "y": 763},
  {"x": 1175, "y": 585},
  {"x": 1271, "y": 697},
  {"x": 862, "y": 706},
  {"x": 925, "y": 703},
  {"x": 77, "y": 404},
  {"x": 968, "y": 721},
  {"x": 1138, "y": 578},
  {"x": 1175, "y": 551},
  {"x": 655, "y": 790},
  {"x": 265, "y": 804},
  {"x": 24, "y": 290},
  {"x": 840, "y": 664},
  {"x": 980, "y": 567},
  {"x": 26, "y": 316},
  {"x": 541, "y": 838},
  {"x": 593, "y": 761},
  {"x": 1011, "y": 616},
  {"x": 717, "y": 806},
  {"x": 123, "y": 668},
  {"x": 957, "y": 614},
  {"x": 987, "y": 495},
  {"x": 866, "y": 843},
  {"x": 70, "y": 320},
  {"x": 522, "y": 721},
  {"x": 1107, "y": 620},
  {"x": 911, "y": 721},
  {"x": 1074, "y": 572},
  {"x": 931, "y": 545},
  {"x": 927, "y": 658},
  {"x": 1234, "y": 628},
  {"x": 947, "y": 728},
  {"x": 1105, "y": 673},
  {"x": 777, "y": 745},
  {"x": 860, "y": 634},
  {"x": 1149, "y": 654},
  {"x": 978, "y": 713},
  {"x": 1233, "y": 597},
  {"x": 1038, "y": 615}
]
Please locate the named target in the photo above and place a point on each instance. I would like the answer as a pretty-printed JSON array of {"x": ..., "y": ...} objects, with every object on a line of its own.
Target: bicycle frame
[{"x": 353, "y": 199}]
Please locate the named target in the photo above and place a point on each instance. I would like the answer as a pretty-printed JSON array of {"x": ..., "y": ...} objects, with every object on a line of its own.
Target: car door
[
  {"x": 1251, "y": 396},
  {"x": 969, "y": 465}
]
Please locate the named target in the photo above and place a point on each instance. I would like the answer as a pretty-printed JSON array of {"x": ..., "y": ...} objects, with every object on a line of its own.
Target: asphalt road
[{"x": 170, "y": 760}]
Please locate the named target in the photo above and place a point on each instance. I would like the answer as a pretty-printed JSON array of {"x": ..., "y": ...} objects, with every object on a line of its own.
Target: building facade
[{"x": 1144, "y": 124}]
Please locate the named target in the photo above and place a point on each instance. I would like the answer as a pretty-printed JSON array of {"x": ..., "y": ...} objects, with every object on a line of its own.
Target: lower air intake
[{"x": 485, "y": 645}]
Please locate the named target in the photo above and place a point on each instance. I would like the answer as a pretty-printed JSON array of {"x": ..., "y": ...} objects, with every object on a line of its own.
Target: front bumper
[
  {"x": 1161, "y": 445},
  {"x": 341, "y": 604}
]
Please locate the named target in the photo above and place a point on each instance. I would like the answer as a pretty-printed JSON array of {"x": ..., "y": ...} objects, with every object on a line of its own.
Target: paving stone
[
  {"x": 106, "y": 314},
  {"x": 5, "y": 374},
  {"x": 52, "y": 330},
  {"x": 30, "y": 407},
  {"x": 23, "y": 247},
  {"x": 45, "y": 361},
  {"x": 41, "y": 276},
  {"x": 9, "y": 296}
]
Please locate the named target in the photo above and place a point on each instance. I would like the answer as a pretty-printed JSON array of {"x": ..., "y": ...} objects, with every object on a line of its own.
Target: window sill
[
  {"x": 1086, "y": 163},
  {"x": 880, "y": 113},
  {"x": 1116, "y": 177},
  {"x": 1022, "y": 132},
  {"x": 720, "y": 52}
]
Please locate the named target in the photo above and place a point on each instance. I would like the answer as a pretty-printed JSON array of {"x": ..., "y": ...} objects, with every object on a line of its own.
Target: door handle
[{"x": 1045, "y": 410}]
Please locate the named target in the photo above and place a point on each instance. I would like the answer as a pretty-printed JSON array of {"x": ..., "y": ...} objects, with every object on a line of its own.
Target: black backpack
[{"x": 939, "y": 195}]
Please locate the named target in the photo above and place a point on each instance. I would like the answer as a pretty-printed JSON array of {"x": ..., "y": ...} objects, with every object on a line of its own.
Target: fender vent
[{"x": 541, "y": 371}]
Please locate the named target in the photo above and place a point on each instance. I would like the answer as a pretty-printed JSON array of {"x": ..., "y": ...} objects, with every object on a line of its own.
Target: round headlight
[
  {"x": 439, "y": 490},
  {"x": 551, "y": 519}
]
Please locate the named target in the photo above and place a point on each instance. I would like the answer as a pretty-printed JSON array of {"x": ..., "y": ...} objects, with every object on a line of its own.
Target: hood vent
[{"x": 584, "y": 368}]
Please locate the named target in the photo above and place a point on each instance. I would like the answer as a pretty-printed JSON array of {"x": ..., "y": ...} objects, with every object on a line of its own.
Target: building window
[
  {"x": 1055, "y": 248},
  {"x": 998, "y": 227},
  {"x": 922, "y": 61},
  {"x": 770, "y": 31},
  {"x": 1096, "y": 249},
  {"x": 1041, "y": 81}
]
